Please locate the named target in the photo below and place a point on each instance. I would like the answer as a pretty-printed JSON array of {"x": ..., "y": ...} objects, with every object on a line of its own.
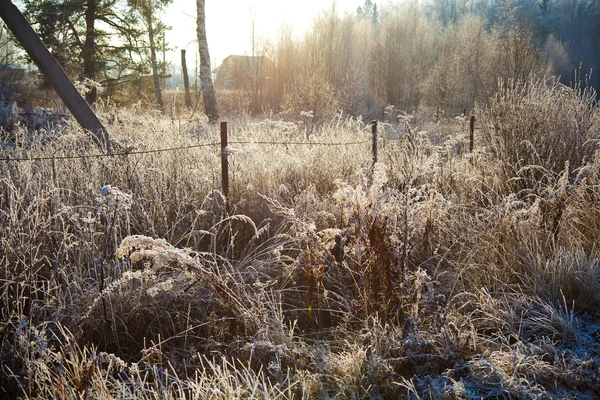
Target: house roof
[
  {"x": 237, "y": 59},
  {"x": 14, "y": 67}
]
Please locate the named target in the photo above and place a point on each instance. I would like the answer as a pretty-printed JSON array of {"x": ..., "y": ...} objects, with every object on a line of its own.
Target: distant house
[
  {"x": 10, "y": 72},
  {"x": 10, "y": 77},
  {"x": 237, "y": 72}
]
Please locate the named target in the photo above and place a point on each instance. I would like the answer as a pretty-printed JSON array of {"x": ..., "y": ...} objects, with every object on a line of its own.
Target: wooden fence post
[
  {"x": 224, "y": 163},
  {"x": 40, "y": 55},
  {"x": 374, "y": 132},
  {"x": 471, "y": 133},
  {"x": 186, "y": 80}
]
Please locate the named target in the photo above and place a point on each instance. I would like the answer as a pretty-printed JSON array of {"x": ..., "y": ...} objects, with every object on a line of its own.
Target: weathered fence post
[
  {"x": 374, "y": 132},
  {"x": 471, "y": 133},
  {"x": 186, "y": 80},
  {"x": 224, "y": 163},
  {"x": 40, "y": 55}
]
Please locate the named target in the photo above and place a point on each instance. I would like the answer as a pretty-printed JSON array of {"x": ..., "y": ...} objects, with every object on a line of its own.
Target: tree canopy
[{"x": 97, "y": 39}]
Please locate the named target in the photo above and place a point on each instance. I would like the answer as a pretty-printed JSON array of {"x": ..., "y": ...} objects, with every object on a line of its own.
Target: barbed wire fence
[{"x": 225, "y": 150}]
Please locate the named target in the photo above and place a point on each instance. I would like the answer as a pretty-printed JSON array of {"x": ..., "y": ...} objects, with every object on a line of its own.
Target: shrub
[
  {"x": 312, "y": 94},
  {"x": 541, "y": 123}
]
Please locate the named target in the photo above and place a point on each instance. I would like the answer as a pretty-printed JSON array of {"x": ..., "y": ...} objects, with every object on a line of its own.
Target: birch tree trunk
[{"x": 208, "y": 91}]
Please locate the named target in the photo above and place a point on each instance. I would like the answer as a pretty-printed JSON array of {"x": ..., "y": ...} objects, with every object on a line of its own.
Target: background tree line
[
  {"x": 438, "y": 53},
  {"x": 412, "y": 54}
]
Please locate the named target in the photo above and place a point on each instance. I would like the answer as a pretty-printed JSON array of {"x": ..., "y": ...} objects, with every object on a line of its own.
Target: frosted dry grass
[
  {"x": 264, "y": 168},
  {"x": 57, "y": 367},
  {"x": 550, "y": 261},
  {"x": 527, "y": 124},
  {"x": 492, "y": 293},
  {"x": 177, "y": 178}
]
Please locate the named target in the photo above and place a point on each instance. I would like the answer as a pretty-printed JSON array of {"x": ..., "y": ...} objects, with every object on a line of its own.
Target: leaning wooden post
[
  {"x": 374, "y": 132},
  {"x": 224, "y": 163},
  {"x": 40, "y": 55}
]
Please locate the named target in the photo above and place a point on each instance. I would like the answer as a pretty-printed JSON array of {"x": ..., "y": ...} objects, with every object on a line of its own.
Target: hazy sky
[{"x": 229, "y": 23}]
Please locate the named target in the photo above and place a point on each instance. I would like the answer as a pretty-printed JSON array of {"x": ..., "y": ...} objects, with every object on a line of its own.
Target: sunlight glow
[{"x": 229, "y": 24}]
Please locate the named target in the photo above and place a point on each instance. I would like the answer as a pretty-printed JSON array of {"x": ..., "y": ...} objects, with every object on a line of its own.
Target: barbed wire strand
[
  {"x": 387, "y": 137},
  {"x": 125, "y": 153},
  {"x": 303, "y": 143},
  {"x": 136, "y": 152}
]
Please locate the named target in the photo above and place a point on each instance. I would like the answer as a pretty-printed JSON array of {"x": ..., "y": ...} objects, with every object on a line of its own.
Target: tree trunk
[
  {"x": 186, "y": 80},
  {"x": 149, "y": 22},
  {"x": 208, "y": 91},
  {"x": 89, "y": 47}
]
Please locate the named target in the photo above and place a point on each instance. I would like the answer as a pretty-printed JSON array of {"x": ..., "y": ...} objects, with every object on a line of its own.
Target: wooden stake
[
  {"x": 224, "y": 162},
  {"x": 374, "y": 132},
  {"x": 186, "y": 80},
  {"x": 471, "y": 133}
]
